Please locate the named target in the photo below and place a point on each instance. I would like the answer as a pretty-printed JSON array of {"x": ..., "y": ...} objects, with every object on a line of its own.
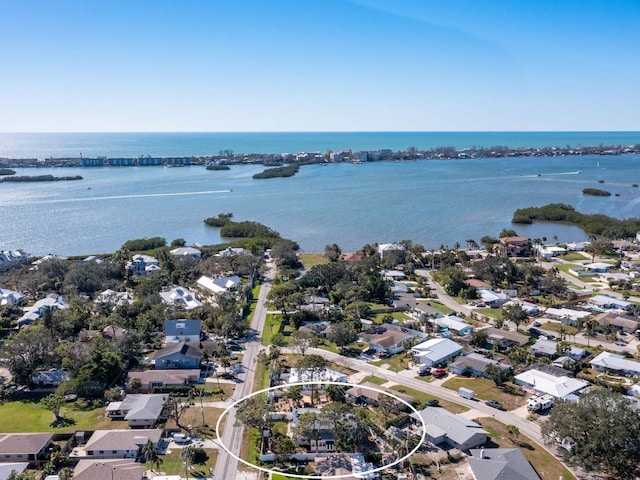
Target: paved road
[{"x": 232, "y": 436}]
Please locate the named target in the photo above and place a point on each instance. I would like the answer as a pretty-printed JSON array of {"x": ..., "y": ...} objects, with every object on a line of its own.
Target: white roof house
[
  {"x": 436, "y": 351},
  {"x": 598, "y": 267},
  {"x": 9, "y": 297},
  {"x": 385, "y": 248},
  {"x": 219, "y": 285},
  {"x": 143, "y": 265},
  {"x": 181, "y": 297},
  {"x": 609, "y": 303},
  {"x": 52, "y": 302},
  {"x": 327, "y": 375},
  {"x": 111, "y": 297},
  {"x": 456, "y": 324},
  {"x": 567, "y": 315},
  {"x": 541, "y": 382},
  {"x": 182, "y": 252},
  {"x": 613, "y": 362}
]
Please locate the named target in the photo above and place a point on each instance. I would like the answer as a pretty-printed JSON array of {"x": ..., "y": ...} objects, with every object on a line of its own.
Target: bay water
[{"x": 434, "y": 202}]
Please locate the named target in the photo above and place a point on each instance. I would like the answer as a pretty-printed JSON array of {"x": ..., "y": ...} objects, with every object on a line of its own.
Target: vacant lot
[
  {"x": 25, "y": 416},
  {"x": 510, "y": 396}
]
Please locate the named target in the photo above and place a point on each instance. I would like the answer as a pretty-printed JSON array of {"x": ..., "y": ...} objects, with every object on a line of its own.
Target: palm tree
[{"x": 150, "y": 455}]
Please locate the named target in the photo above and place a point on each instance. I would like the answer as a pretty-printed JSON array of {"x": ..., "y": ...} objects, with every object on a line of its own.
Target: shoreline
[{"x": 363, "y": 156}]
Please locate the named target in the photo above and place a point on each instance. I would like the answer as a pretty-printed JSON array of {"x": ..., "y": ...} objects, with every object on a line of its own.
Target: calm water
[
  {"x": 430, "y": 202},
  {"x": 44, "y": 145}
]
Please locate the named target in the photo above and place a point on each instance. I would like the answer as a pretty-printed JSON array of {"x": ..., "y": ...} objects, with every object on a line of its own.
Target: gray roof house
[
  {"x": 52, "y": 302},
  {"x": 24, "y": 447},
  {"x": 446, "y": 427},
  {"x": 108, "y": 469},
  {"x": 186, "y": 252},
  {"x": 139, "y": 410},
  {"x": 500, "y": 464},
  {"x": 474, "y": 364},
  {"x": 117, "y": 443},
  {"x": 7, "y": 468},
  {"x": 181, "y": 297},
  {"x": 436, "y": 351},
  {"x": 178, "y": 355},
  {"x": 9, "y": 297},
  {"x": 182, "y": 330},
  {"x": 548, "y": 348}
]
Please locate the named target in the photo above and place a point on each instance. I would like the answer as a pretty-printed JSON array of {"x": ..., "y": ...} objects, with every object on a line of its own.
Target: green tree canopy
[{"x": 605, "y": 427}]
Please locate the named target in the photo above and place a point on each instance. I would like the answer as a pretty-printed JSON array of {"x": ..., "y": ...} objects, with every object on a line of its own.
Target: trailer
[
  {"x": 540, "y": 403},
  {"x": 465, "y": 393}
]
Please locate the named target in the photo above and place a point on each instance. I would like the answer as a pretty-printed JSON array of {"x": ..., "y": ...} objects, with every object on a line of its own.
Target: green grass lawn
[
  {"x": 172, "y": 464},
  {"x": 574, "y": 257},
  {"x": 486, "y": 389},
  {"x": 396, "y": 363},
  {"x": 310, "y": 259},
  {"x": 400, "y": 316},
  {"x": 422, "y": 398},
  {"x": 555, "y": 327},
  {"x": 30, "y": 417},
  {"x": 439, "y": 306},
  {"x": 545, "y": 464},
  {"x": 273, "y": 325},
  {"x": 489, "y": 312},
  {"x": 374, "y": 379}
]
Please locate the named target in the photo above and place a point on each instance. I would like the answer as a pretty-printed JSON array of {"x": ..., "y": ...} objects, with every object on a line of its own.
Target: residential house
[
  {"x": 567, "y": 316},
  {"x": 24, "y": 447},
  {"x": 143, "y": 265},
  {"x": 12, "y": 257},
  {"x": 542, "y": 382},
  {"x": 6, "y": 469},
  {"x": 91, "y": 259},
  {"x": 178, "y": 355},
  {"x": 368, "y": 393},
  {"x": 443, "y": 427},
  {"x": 113, "y": 299},
  {"x": 182, "y": 330},
  {"x": 324, "y": 441},
  {"x": 222, "y": 285},
  {"x": 549, "y": 348},
  {"x": 504, "y": 339},
  {"x": 139, "y": 410},
  {"x": 455, "y": 325},
  {"x": 436, "y": 351},
  {"x": 111, "y": 332},
  {"x": 393, "y": 275},
  {"x": 118, "y": 443},
  {"x": 621, "y": 323},
  {"x": 490, "y": 298},
  {"x": 186, "y": 252},
  {"x": 181, "y": 297},
  {"x": 550, "y": 251},
  {"x": 475, "y": 364},
  {"x": 49, "y": 378},
  {"x": 606, "y": 302},
  {"x": 233, "y": 252},
  {"x": 385, "y": 338},
  {"x": 52, "y": 302},
  {"x": 531, "y": 309},
  {"x": 598, "y": 267},
  {"x": 616, "y": 364},
  {"x": 150, "y": 379},
  {"x": 500, "y": 464},
  {"x": 385, "y": 249},
  {"x": 514, "y": 246},
  {"x": 10, "y": 298},
  {"x": 326, "y": 375},
  {"x": 109, "y": 469}
]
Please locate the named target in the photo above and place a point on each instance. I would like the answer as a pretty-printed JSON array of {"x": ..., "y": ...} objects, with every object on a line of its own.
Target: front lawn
[
  {"x": 172, "y": 464},
  {"x": 545, "y": 464},
  {"x": 310, "y": 259},
  {"x": 396, "y": 362},
  {"x": 555, "y": 327},
  {"x": 25, "y": 416},
  {"x": 510, "y": 396}
]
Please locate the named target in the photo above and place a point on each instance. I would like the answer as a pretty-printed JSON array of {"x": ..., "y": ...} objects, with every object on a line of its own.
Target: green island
[
  {"x": 7, "y": 171},
  {"x": 596, "y": 192},
  {"x": 592, "y": 224},
  {"x": 286, "y": 171},
  {"x": 218, "y": 167},
  {"x": 39, "y": 178}
]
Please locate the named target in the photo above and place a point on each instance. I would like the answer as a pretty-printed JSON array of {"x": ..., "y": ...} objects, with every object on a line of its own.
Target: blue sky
[{"x": 319, "y": 65}]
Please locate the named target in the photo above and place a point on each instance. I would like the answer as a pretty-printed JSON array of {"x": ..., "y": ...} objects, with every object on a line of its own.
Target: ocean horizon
[{"x": 136, "y": 144}]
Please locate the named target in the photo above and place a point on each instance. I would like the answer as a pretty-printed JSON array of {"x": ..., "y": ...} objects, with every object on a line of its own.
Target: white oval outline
[{"x": 320, "y": 382}]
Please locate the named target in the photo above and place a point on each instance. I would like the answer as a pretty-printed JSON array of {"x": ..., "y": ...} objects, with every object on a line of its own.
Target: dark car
[
  {"x": 494, "y": 404},
  {"x": 432, "y": 403}
]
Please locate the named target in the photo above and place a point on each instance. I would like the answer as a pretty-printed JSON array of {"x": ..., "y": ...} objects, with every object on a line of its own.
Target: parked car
[
  {"x": 536, "y": 324},
  {"x": 423, "y": 371},
  {"x": 439, "y": 373},
  {"x": 494, "y": 404},
  {"x": 432, "y": 403}
]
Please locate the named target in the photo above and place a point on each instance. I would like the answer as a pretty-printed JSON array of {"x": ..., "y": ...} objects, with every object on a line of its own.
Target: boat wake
[{"x": 137, "y": 195}]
